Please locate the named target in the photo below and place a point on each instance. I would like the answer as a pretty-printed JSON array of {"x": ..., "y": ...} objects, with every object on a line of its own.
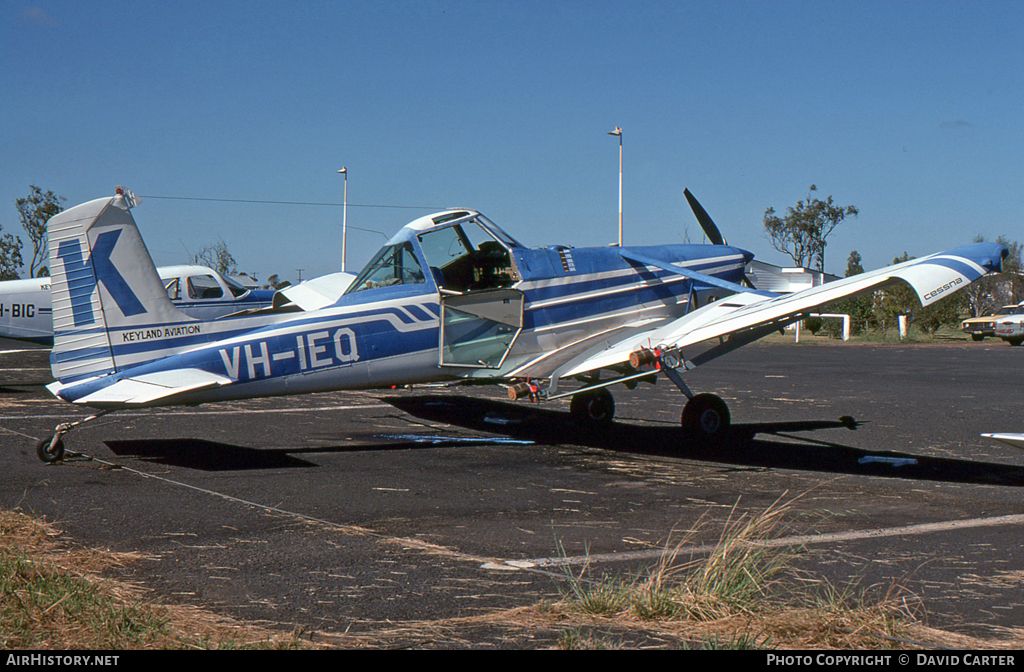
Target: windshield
[
  {"x": 393, "y": 265},
  {"x": 498, "y": 232},
  {"x": 236, "y": 287}
]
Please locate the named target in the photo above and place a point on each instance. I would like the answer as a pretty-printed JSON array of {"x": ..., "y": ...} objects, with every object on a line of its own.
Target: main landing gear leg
[
  {"x": 594, "y": 407},
  {"x": 704, "y": 415},
  {"x": 51, "y": 448}
]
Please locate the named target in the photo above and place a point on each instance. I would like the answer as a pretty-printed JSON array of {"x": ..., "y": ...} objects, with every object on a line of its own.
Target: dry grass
[
  {"x": 54, "y": 596},
  {"x": 744, "y": 593}
]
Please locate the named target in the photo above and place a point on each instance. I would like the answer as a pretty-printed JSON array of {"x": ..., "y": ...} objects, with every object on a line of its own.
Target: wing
[{"x": 745, "y": 317}]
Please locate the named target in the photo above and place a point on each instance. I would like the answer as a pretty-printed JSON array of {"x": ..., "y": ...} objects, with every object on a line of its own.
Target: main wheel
[
  {"x": 706, "y": 416},
  {"x": 50, "y": 451},
  {"x": 592, "y": 408},
  {"x": 977, "y": 337}
]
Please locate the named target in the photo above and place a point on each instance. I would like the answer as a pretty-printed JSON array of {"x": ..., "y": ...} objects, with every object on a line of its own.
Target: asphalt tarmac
[{"x": 356, "y": 512}]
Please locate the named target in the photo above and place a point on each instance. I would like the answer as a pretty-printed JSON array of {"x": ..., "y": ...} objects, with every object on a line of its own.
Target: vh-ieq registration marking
[
  {"x": 315, "y": 350},
  {"x": 164, "y": 332}
]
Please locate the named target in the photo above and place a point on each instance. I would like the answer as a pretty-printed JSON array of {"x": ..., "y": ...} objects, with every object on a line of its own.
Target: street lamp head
[
  {"x": 617, "y": 131},
  {"x": 343, "y": 171}
]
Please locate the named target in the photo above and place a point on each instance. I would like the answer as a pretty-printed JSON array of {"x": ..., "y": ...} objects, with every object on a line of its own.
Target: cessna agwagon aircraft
[{"x": 451, "y": 297}]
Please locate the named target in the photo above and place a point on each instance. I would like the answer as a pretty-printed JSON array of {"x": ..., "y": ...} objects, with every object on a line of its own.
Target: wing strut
[{"x": 630, "y": 255}]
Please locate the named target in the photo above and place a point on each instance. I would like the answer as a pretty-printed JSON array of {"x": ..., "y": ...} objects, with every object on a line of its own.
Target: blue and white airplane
[
  {"x": 451, "y": 297},
  {"x": 197, "y": 291}
]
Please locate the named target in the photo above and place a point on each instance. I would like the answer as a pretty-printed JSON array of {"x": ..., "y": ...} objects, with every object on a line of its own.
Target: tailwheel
[
  {"x": 596, "y": 407},
  {"x": 50, "y": 449},
  {"x": 706, "y": 416}
]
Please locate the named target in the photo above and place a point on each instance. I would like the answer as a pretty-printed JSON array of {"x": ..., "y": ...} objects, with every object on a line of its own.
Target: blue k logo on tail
[{"x": 86, "y": 273}]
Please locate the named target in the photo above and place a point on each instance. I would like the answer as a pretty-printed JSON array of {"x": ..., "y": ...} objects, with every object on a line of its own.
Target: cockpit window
[
  {"x": 469, "y": 256},
  {"x": 393, "y": 265},
  {"x": 204, "y": 287},
  {"x": 444, "y": 246}
]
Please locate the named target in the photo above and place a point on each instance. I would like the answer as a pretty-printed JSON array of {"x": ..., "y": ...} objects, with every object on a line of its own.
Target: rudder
[{"x": 103, "y": 284}]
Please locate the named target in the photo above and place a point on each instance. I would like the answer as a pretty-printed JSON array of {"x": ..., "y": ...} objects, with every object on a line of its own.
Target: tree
[
  {"x": 802, "y": 233},
  {"x": 859, "y": 308},
  {"x": 10, "y": 256},
  {"x": 900, "y": 299},
  {"x": 274, "y": 282},
  {"x": 217, "y": 257},
  {"x": 947, "y": 311},
  {"x": 896, "y": 300},
  {"x": 35, "y": 210},
  {"x": 853, "y": 265},
  {"x": 993, "y": 291}
]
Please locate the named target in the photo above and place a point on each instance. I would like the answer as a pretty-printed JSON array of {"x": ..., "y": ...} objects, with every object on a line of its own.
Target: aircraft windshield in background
[{"x": 451, "y": 297}]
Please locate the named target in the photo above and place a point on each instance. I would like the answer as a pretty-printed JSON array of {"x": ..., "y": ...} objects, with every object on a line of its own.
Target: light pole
[
  {"x": 344, "y": 219},
  {"x": 618, "y": 132}
]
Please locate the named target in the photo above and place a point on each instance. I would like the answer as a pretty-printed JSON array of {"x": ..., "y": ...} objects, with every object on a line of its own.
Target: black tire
[
  {"x": 592, "y": 408},
  {"x": 977, "y": 337},
  {"x": 706, "y": 416},
  {"x": 1015, "y": 341},
  {"x": 48, "y": 451}
]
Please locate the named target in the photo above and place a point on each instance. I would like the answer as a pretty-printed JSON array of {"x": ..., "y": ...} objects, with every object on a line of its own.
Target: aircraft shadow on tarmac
[
  {"x": 757, "y": 445},
  {"x": 215, "y": 456},
  {"x": 743, "y": 445},
  {"x": 205, "y": 455}
]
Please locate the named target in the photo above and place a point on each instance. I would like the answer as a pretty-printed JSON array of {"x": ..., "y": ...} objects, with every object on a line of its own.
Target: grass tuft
[
  {"x": 53, "y": 596},
  {"x": 733, "y": 578},
  {"x": 744, "y": 591}
]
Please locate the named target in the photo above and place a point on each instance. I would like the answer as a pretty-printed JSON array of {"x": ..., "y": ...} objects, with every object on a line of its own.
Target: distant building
[
  {"x": 246, "y": 280},
  {"x": 785, "y": 280}
]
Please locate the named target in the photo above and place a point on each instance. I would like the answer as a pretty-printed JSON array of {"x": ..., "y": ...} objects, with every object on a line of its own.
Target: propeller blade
[{"x": 710, "y": 230}]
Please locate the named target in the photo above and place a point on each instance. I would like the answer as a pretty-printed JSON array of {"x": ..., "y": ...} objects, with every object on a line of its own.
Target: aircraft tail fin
[{"x": 107, "y": 296}]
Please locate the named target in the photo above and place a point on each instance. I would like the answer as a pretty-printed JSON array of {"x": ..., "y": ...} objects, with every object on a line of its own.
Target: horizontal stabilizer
[
  {"x": 147, "y": 388},
  {"x": 316, "y": 293},
  {"x": 1015, "y": 440}
]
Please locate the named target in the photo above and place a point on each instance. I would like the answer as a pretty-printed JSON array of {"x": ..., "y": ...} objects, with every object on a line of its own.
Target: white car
[
  {"x": 200, "y": 292},
  {"x": 1010, "y": 328}
]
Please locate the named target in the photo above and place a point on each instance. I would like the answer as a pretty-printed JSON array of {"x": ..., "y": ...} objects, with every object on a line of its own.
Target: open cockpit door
[
  {"x": 471, "y": 263},
  {"x": 479, "y": 328}
]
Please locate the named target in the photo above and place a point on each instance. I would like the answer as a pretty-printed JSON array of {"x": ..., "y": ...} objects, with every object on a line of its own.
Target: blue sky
[{"x": 912, "y": 111}]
